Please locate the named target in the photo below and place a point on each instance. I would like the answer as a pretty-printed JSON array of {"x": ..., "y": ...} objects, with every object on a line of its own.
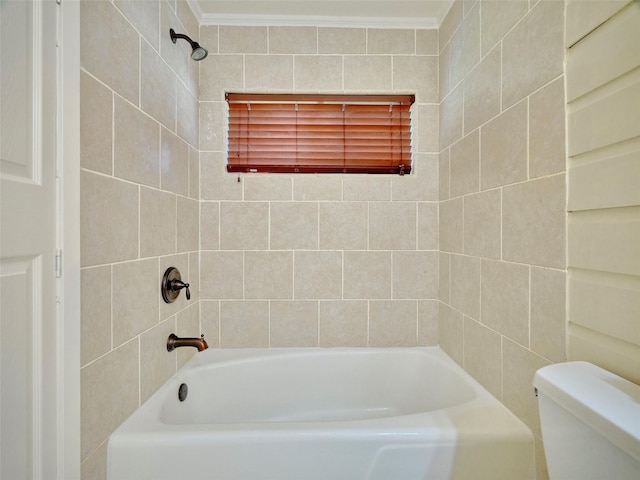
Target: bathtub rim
[{"x": 146, "y": 418}]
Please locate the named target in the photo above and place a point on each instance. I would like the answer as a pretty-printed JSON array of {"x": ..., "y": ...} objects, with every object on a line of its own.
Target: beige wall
[
  {"x": 323, "y": 261},
  {"x": 502, "y": 191},
  {"x": 603, "y": 94},
  {"x": 329, "y": 260},
  {"x": 139, "y": 194}
]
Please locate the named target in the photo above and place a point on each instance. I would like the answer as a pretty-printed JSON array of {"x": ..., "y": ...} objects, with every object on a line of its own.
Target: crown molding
[{"x": 312, "y": 20}]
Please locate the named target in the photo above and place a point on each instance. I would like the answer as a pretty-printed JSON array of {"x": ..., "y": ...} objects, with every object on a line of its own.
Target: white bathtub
[{"x": 322, "y": 414}]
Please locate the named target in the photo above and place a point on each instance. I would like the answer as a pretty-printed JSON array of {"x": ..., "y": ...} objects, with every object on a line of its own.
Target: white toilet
[{"x": 590, "y": 422}]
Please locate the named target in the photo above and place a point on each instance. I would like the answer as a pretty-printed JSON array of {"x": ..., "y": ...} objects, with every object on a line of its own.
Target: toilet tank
[{"x": 590, "y": 421}]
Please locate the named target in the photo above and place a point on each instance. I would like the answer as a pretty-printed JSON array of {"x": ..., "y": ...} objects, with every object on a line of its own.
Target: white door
[{"x": 28, "y": 369}]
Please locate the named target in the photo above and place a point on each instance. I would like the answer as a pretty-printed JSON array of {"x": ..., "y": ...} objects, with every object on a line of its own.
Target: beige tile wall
[
  {"x": 321, "y": 260},
  {"x": 503, "y": 195},
  {"x": 310, "y": 260},
  {"x": 139, "y": 206}
]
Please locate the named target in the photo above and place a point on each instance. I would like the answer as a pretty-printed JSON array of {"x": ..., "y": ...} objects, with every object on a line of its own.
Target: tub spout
[{"x": 174, "y": 342}]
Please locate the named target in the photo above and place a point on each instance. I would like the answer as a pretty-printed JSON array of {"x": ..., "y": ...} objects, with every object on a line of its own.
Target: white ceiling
[{"x": 335, "y": 13}]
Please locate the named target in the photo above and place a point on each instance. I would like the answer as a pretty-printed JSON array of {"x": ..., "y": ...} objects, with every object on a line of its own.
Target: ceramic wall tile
[
  {"x": 318, "y": 73},
  {"x": 483, "y": 224},
  {"x": 242, "y": 39},
  {"x": 334, "y": 40},
  {"x": 158, "y": 223},
  {"x": 293, "y": 323},
  {"x": 548, "y": 313},
  {"x": 174, "y": 163},
  {"x": 464, "y": 165},
  {"x": 318, "y": 275},
  {"x": 267, "y": 187},
  {"x": 483, "y": 355},
  {"x": 417, "y": 74},
  {"x": 156, "y": 364},
  {"x": 427, "y": 226},
  {"x": 367, "y": 73},
  {"x": 344, "y": 323},
  {"x": 450, "y": 331},
  {"x": 268, "y": 72},
  {"x": 427, "y": 323},
  {"x": 427, "y": 42},
  {"x": 547, "y": 153},
  {"x": 293, "y": 40},
  {"x": 415, "y": 275},
  {"x": 145, "y": 17},
  {"x": 465, "y": 285},
  {"x": 392, "y": 226},
  {"x": 158, "y": 92},
  {"x": 534, "y": 222},
  {"x": 344, "y": 225},
  {"x": 518, "y": 368},
  {"x": 367, "y": 275},
  {"x": 268, "y": 275},
  {"x": 505, "y": 299},
  {"x": 389, "y": 40},
  {"x": 109, "y": 386},
  {"x": 96, "y": 128},
  {"x": 134, "y": 313},
  {"x": 218, "y": 73},
  {"x": 244, "y": 324},
  {"x": 498, "y": 17},
  {"x": 221, "y": 275},
  {"x": 95, "y": 304},
  {"x": 114, "y": 62},
  {"x": 533, "y": 53},
  {"x": 215, "y": 182},
  {"x": 451, "y": 225},
  {"x": 422, "y": 184},
  {"x": 503, "y": 156},
  {"x": 209, "y": 225},
  {"x": 393, "y": 323},
  {"x": 136, "y": 145},
  {"x": 244, "y": 226},
  {"x": 108, "y": 220},
  {"x": 187, "y": 225},
  {"x": 482, "y": 90}
]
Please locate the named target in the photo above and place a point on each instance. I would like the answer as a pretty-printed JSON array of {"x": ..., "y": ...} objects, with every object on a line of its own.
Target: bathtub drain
[{"x": 183, "y": 391}]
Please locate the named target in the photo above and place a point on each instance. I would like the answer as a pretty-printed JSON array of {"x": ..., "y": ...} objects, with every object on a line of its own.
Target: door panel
[
  {"x": 16, "y": 95},
  {"x": 28, "y": 129},
  {"x": 17, "y": 285}
]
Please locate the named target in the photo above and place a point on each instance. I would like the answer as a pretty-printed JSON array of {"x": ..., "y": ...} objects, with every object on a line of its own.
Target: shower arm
[{"x": 175, "y": 36}]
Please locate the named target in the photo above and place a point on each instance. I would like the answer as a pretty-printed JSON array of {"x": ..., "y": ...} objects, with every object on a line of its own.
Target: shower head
[{"x": 198, "y": 52}]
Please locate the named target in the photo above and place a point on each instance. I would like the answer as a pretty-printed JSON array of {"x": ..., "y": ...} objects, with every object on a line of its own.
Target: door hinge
[{"x": 59, "y": 263}]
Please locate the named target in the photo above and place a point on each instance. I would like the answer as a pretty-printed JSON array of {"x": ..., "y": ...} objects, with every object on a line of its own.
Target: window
[{"x": 292, "y": 133}]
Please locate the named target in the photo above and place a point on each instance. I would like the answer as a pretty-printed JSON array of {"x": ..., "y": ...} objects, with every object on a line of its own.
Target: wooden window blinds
[{"x": 293, "y": 133}]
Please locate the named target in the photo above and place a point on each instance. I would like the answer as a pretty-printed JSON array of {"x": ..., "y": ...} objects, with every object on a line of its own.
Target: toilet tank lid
[{"x": 606, "y": 402}]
